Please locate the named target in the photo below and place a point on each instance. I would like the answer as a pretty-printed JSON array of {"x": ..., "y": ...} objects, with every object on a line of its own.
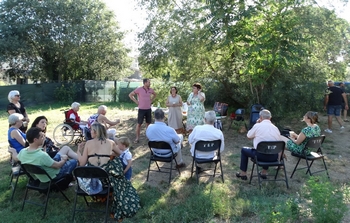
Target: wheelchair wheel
[{"x": 63, "y": 134}]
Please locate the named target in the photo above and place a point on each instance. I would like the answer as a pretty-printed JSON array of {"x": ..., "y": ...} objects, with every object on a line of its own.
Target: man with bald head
[{"x": 263, "y": 130}]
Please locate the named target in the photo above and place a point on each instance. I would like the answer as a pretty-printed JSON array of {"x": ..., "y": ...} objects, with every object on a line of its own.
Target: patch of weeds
[{"x": 327, "y": 201}]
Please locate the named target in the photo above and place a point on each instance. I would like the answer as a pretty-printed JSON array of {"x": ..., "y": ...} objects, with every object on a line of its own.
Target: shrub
[{"x": 65, "y": 93}]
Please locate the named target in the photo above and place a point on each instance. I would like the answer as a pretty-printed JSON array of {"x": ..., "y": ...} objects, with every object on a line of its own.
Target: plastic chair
[
  {"x": 92, "y": 172},
  {"x": 314, "y": 144},
  {"x": 41, "y": 187},
  {"x": 207, "y": 146},
  {"x": 155, "y": 158},
  {"x": 269, "y": 148}
]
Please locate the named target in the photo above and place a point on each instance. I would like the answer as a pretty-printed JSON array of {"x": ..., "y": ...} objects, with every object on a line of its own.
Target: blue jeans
[
  {"x": 334, "y": 110},
  {"x": 248, "y": 152},
  {"x": 67, "y": 168}
]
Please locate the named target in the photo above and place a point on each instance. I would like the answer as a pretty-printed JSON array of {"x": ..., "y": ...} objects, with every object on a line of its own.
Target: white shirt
[
  {"x": 264, "y": 131},
  {"x": 207, "y": 133},
  {"x": 127, "y": 156}
]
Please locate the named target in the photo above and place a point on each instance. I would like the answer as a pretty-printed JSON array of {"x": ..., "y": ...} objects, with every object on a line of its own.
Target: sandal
[
  {"x": 263, "y": 176},
  {"x": 242, "y": 177},
  {"x": 136, "y": 141}
]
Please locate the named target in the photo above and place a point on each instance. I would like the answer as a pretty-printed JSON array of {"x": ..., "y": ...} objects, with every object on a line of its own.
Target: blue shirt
[{"x": 13, "y": 142}]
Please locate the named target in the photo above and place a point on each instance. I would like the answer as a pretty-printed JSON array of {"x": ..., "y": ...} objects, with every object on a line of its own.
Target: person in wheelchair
[
  {"x": 73, "y": 119},
  {"x": 100, "y": 117},
  {"x": 49, "y": 146}
]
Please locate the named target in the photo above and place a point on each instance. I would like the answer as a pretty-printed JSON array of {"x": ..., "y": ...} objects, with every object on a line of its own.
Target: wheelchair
[{"x": 68, "y": 131}]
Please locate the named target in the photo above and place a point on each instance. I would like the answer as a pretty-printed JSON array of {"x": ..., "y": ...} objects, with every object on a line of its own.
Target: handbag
[
  {"x": 90, "y": 186},
  {"x": 221, "y": 108}
]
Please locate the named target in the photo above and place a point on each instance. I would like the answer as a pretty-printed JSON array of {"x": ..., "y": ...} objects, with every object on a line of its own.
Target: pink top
[{"x": 144, "y": 97}]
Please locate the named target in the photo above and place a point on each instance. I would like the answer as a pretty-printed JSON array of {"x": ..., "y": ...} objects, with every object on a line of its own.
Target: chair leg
[
  {"x": 171, "y": 170},
  {"x": 251, "y": 174},
  {"x": 149, "y": 166},
  {"x": 324, "y": 163},
  {"x": 222, "y": 173},
  {"x": 295, "y": 168},
  {"x": 257, "y": 172},
  {"x": 75, "y": 206},
  {"x": 47, "y": 200},
  {"x": 15, "y": 185},
  {"x": 285, "y": 174},
  {"x": 192, "y": 167},
  {"x": 107, "y": 202},
  {"x": 308, "y": 167},
  {"x": 24, "y": 199}
]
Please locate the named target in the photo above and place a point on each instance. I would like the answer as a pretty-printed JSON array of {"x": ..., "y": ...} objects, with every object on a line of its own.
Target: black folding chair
[
  {"x": 166, "y": 149},
  {"x": 42, "y": 187},
  {"x": 269, "y": 148},
  {"x": 314, "y": 144},
  {"x": 15, "y": 173},
  {"x": 207, "y": 146},
  {"x": 92, "y": 172}
]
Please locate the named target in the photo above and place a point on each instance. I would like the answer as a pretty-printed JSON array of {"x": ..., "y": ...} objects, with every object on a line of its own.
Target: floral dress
[
  {"x": 126, "y": 201},
  {"x": 196, "y": 111},
  {"x": 309, "y": 132}
]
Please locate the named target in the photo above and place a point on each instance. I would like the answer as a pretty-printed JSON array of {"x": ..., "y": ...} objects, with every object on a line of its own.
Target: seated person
[
  {"x": 263, "y": 130},
  {"x": 159, "y": 131},
  {"x": 296, "y": 143},
  {"x": 16, "y": 138},
  {"x": 49, "y": 146},
  {"x": 73, "y": 117},
  {"x": 100, "y": 117},
  {"x": 206, "y": 132},
  {"x": 97, "y": 152},
  {"x": 56, "y": 168}
]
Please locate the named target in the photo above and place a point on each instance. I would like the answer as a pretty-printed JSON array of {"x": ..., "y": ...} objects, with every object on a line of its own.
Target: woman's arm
[
  {"x": 300, "y": 139},
  {"x": 15, "y": 135},
  {"x": 201, "y": 96},
  {"x": 82, "y": 153}
]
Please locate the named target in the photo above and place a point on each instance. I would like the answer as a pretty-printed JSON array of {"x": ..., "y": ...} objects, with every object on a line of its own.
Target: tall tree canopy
[
  {"x": 61, "y": 39},
  {"x": 256, "y": 51}
]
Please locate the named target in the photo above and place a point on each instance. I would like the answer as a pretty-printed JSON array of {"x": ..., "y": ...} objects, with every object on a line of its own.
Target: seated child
[{"x": 126, "y": 157}]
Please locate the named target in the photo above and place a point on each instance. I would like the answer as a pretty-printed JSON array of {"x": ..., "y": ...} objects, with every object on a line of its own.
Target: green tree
[
  {"x": 273, "y": 52},
  {"x": 61, "y": 40}
]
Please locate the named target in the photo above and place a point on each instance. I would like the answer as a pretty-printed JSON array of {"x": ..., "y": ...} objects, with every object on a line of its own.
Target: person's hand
[
  {"x": 117, "y": 121},
  {"x": 64, "y": 157},
  {"x": 11, "y": 150}
]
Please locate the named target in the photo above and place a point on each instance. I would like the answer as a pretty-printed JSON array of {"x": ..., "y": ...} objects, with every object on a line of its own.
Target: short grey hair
[
  {"x": 12, "y": 95},
  {"x": 75, "y": 105},
  {"x": 265, "y": 114},
  {"x": 210, "y": 117},
  {"x": 159, "y": 114},
  {"x": 102, "y": 108},
  {"x": 15, "y": 117}
]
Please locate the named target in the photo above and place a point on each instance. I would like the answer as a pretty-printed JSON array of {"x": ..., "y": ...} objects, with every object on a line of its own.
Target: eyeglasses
[{"x": 17, "y": 95}]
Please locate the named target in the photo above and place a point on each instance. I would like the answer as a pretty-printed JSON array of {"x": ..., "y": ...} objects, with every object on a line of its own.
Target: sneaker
[
  {"x": 328, "y": 130},
  {"x": 342, "y": 127}
]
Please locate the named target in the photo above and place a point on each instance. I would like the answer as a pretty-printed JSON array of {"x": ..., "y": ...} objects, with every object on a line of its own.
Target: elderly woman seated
[
  {"x": 73, "y": 117},
  {"x": 16, "y": 137},
  {"x": 97, "y": 152}
]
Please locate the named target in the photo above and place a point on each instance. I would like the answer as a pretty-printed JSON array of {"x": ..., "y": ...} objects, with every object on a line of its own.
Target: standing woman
[
  {"x": 16, "y": 106},
  {"x": 174, "y": 103},
  {"x": 196, "y": 109}
]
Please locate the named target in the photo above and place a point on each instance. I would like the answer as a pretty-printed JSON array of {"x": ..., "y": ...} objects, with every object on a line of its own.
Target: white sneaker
[
  {"x": 342, "y": 127},
  {"x": 328, "y": 130}
]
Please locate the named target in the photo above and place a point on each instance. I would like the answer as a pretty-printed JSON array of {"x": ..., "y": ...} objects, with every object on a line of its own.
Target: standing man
[
  {"x": 345, "y": 112},
  {"x": 145, "y": 97},
  {"x": 333, "y": 103},
  {"x": 263, "y": 130}
]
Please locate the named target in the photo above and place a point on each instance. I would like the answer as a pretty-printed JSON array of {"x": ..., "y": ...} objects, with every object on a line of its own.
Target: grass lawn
[{"x": 186, "y": 201}]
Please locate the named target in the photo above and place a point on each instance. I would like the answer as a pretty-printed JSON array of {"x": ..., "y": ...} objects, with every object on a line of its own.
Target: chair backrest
[
  {"x": 90, "y": 172},
  {"x": 315, "y": 142},
  {"x": 159, "y": 145},
  {"x": 30, "y": 169},
  {"x": 270, "y": 147},
  {"x": 254, "y": 114},
  {"x": 207, "y": 146}
]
